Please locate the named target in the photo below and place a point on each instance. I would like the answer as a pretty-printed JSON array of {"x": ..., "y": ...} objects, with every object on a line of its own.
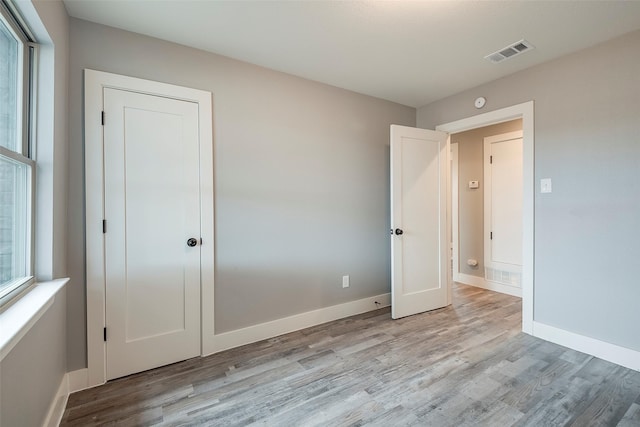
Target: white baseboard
[
  {"x": 251, "y": 334},
  {"x": 481, "y": 282},
  {"x": 468, "y": 279},
  {"x": 78, "y": 380},
  {"x": 455, "y": 275},
  {"x": 58, "y": 404},
  {"x": 71, "y": 382},
  {"x": 600, "y": 349}
]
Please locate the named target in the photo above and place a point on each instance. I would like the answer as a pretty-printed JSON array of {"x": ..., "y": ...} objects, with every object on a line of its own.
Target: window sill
[{"x": 16, "y": 320}]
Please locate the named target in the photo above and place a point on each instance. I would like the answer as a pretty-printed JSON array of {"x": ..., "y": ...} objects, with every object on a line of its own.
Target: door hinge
[
  {"x": 102, "y": 118},
  {"x": 104, "y": 334},
  {"x": 490, "y": 157},
  {"x": 491, "y": 235},
  {"x": 104, "y": 226}
]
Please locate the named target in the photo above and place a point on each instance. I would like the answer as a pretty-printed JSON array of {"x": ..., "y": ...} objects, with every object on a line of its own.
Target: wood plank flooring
[{"x": 464, "y": 365}]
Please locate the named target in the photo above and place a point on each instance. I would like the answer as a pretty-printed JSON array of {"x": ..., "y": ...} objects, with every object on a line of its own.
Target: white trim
[
  {"x": 502, "y": 137},
  {"x": 71, "y": 382},
  {"x": 524, "y": 111},
  {"x": 93, "y": 228},
  {"x": 58, "y": 404},
  {"x": 95, "y": 82},
  {"x": 481, "y": 282},
  {"x": 503, "y": 288},
  {"x": 603, "y": 350},
  {"x": 78, "y": 380},
  {"x": 468, "y": 279},
  {"x": 455, "y": 216},
  {"x": 447, "y": 223},
  {"x": 296, "y": 322},
  {"x": 20, "y": 317}
]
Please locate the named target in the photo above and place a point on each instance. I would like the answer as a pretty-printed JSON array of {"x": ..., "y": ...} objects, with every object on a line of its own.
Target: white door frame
[
  {"x": 455, "y": 219},
  {"x": 524, "y": 111},
  {"x": 95, "y": 82}
]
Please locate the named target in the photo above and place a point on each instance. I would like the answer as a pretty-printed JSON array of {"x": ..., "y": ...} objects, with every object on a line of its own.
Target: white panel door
[
  {"x": 419, "y": 241},
  {"x": 503, "y": 202},
  {"x": 152, "y": 207}
]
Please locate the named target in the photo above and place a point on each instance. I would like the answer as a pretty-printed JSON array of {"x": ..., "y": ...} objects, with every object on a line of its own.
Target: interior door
[
  {"x": 419, "y": 241},
  {"x": 152, "y": 209},
  {"x": 503, "y": 207}
]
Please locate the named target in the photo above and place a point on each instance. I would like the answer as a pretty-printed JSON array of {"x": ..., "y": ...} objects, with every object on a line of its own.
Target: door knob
[
  {"x": 399, "y": 231},
  {"x": 192, "y": 242}
]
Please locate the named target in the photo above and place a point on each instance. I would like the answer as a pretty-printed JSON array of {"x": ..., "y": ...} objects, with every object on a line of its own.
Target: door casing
[
  {"x": 95, "y": 82},
  {"x": 525, "y": 111},
  {"x": 455, "y": 249}
]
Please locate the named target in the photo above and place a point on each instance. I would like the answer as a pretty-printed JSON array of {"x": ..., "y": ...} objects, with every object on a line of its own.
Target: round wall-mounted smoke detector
[{"x": 480, "y": 101}]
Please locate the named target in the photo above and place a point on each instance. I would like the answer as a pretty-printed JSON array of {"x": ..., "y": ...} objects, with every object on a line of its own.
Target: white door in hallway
[
  {"x": 152, "y": 211},
  {"x": 419, "y": 231},
  {"x": 503, "y": 207}
]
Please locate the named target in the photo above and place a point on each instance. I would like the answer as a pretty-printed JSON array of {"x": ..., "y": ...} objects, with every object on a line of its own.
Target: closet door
[{"x": 152, "y": 239}]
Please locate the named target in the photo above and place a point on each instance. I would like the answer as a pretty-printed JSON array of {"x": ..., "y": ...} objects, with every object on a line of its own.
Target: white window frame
[{"x": 26, "y": 82}]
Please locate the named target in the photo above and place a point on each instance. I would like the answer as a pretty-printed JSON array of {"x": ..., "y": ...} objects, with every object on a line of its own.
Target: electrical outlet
[{"x": 345, "y": 281}]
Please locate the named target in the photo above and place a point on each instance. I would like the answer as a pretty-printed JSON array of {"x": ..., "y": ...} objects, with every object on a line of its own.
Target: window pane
[
  {"x": 9, "y": 48},
  {"x": 14, "y": 216}
]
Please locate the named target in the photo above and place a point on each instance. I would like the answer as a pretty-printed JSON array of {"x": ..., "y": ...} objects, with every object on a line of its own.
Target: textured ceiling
[{"x": 410, "y": 52}]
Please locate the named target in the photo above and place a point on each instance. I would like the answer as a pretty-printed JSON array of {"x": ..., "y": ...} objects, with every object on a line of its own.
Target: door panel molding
[{"x": 95, "y": 83}]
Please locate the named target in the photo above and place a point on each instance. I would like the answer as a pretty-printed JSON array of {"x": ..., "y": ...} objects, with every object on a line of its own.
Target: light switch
[
  {"x": 474, "y": 184},
  {"x": 545, "y": 185}
]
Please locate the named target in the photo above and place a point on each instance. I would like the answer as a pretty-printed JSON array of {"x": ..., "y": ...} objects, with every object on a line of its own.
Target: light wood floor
[{"x": 462, "y": 365}]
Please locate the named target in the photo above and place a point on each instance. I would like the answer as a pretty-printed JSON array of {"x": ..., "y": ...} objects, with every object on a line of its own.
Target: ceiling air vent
[{"x": 510, "y": 51}]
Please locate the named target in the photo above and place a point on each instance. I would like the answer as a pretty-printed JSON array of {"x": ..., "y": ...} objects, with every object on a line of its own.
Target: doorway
[
  {"x": 525, "y": 112},
  {"x": 149, "y": 224},
  {"x": 472, "y": 235}
]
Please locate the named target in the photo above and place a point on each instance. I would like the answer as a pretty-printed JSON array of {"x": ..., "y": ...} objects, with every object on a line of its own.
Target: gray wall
[
  {"x": 301, "y": 180},
  {"x": 31, "y": 373},
  {"x": 471, "y": 201},
  {"x": 587, "y": 140}
]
